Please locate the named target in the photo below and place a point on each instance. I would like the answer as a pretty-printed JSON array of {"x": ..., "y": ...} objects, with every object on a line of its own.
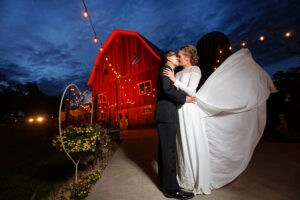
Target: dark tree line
[
  {"x": 27, "y": 98},
  {"x": 287, "y": 100}
]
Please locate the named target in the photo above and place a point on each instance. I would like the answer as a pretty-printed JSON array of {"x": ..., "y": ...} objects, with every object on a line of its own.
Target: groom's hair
[
  {"x": 164, "y": 57},
  {"x": 213, "y": 50}
]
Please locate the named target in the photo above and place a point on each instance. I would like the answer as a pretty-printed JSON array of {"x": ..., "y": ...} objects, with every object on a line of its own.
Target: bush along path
[{"x": 85, "y": 146}]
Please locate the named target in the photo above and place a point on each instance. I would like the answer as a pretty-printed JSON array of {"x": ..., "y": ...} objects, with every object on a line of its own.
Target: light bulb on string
[
  {"x": 230, "y": 48},
  {"x": 262, "y": 38},
  {"x": 287, "y": 34},
  {"x": 243, "y": 44},
  {"x": 85, "y": 13},
  {"x": 95, "y": 39}
]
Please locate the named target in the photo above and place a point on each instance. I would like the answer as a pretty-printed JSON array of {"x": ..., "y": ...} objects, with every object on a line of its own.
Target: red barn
[{"x": 123, "y": 80}]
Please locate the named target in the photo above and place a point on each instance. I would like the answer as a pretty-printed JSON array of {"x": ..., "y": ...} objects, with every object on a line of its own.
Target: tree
[{"x": 288, "y": 98}]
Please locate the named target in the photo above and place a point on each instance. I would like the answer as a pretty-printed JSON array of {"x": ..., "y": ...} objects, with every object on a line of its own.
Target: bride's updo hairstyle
[
  {"x": 191, "y": 51},
  {"x": 213, "y": 49}
]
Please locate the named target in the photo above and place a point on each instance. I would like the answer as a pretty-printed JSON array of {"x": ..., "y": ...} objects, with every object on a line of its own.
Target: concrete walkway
[{"x": 273, "y": 173}]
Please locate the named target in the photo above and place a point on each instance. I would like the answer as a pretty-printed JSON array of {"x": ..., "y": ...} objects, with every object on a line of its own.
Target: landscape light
[{"x": 40, "y": 119}]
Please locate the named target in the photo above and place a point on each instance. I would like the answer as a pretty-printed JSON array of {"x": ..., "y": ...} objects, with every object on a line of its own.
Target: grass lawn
[{"x": 29, "y": 164}]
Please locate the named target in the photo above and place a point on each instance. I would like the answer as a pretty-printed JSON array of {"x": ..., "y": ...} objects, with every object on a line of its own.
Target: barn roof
[{"x": 157, "y": 52}]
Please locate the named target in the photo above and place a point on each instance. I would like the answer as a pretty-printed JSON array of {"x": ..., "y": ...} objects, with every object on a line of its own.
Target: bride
[{"x": 219, "y": 133}]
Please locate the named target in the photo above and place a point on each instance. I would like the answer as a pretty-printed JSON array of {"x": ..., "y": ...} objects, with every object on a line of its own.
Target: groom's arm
[{"x": 170, "y": 90}]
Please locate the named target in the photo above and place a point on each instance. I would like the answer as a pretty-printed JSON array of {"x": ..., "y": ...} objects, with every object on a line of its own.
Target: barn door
[{"x": 123, "y": 119}]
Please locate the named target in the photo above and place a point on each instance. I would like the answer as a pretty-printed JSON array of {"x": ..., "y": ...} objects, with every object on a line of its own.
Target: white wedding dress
[{"x": 219, "y": 133}]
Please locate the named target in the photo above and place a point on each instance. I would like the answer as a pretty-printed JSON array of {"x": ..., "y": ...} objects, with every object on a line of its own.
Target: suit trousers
[{"x": 167, "y": 155}]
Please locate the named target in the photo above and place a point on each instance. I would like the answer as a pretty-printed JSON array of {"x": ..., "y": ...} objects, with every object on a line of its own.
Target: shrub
[
  {"x": 94, "y": 176},
  {"x": 80, "y": 191},
  {"x": 82, "y": 139}
]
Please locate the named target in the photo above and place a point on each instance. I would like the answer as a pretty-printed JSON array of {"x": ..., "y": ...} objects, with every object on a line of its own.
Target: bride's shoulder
[{"x": 196, "y": 69}]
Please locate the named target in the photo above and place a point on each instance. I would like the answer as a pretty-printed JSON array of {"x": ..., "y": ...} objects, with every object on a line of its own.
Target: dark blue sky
[{"x": 50, "y": 42}]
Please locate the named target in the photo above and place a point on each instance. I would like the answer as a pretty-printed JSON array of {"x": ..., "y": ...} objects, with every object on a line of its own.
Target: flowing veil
[
  {"x": 232, "y": 107},
  {"x": 239, "y": 84}
]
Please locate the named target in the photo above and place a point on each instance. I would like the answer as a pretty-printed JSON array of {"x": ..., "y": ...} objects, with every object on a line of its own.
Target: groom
[{"x": 166, "y": 117}]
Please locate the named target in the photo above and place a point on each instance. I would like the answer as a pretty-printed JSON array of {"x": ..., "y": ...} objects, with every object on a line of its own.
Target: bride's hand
[{"x": 169, "y": 73}]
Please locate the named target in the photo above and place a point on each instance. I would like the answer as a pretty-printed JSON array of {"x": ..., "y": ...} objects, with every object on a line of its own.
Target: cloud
[
  {"x": 272, "y": 20},
  {"x": 12, "y": 70},
  {"x": 54, "y": 86},
  {"x": 49, "y": 42}
]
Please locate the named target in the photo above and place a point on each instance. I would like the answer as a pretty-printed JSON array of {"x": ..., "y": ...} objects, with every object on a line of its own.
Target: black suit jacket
[{"x": 168, "y": 98}]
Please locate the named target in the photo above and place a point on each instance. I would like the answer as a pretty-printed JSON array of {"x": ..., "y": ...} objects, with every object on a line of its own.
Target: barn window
[
  {"x": 147, "y": 109},
  {"x": 102, "y": 98},
  {"x": 103, "y": 116},
  {"x": 136, "y": 58},
  {"x": 105, "y": 72},
  {"x": 145, "y": 87}
]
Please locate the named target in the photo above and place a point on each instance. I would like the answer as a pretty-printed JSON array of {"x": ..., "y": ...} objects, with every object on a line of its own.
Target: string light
[
  {"x": 261, "y": 38},
  {"x": 85, "y": 13},
  {"x": 95, "y": 39},
  {"x": 230, "y": 48},
  {"x": 113, "y": 70},
  {"x": 287, "y": 34},
  {"x": 220, "y": 51}
]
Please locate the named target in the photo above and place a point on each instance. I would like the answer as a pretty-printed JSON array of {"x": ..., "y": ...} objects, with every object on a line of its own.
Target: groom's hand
[{"x": 189, "y": 99}]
